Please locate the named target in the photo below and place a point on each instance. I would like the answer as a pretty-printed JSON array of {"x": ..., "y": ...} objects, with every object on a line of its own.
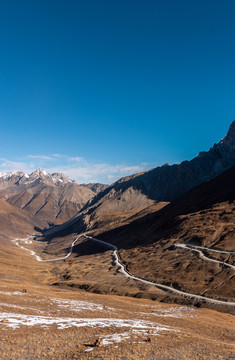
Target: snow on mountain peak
[
  {"x": 8, "y": 174},
  {"x": 60, "y": 177},
  {"x": 39, "y": 174}
]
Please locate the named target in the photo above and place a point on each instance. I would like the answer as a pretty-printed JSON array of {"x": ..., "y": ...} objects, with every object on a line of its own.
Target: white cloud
[
  {"x": 98, "y": 172},
  {"x": 76, "y": 159},
  {"x": 131, "y": 169},
  {"x": 9, "y": 165},
  {"x": 77, "y": 168},
  {"x": 40, "y": 157},
  {"x": 58, "y": 155}
]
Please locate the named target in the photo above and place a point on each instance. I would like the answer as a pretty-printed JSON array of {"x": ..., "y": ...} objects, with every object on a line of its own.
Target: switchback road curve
[{"x": 199, "y": 250}]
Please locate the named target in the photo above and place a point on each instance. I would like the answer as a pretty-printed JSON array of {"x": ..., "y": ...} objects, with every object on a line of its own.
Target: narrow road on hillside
[
  {"x": 122, "y": 269},
  {"x": 38, "y": 258},
  {"x": 212, "y": 250},
  {"x": 199, "y": 250}
]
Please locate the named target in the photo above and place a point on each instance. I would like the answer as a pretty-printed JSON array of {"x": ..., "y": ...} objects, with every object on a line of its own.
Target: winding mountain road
[
  {"x": 209, "y": 249},
  {"x": 38, "y": 258},
  {"x": 122, "y": 269},
  {"x": 199, "y": 250}
]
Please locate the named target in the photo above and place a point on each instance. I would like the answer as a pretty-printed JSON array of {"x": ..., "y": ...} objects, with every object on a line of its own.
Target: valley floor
[{"x": 38, "y": 321}]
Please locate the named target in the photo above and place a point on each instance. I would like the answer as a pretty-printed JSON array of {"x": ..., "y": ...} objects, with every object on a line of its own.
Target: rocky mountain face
[
  {"x": 50, "y": 198},
  {"x": 132, "y": 194}
]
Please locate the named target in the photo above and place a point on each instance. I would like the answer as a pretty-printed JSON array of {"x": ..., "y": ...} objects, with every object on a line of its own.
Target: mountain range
[
  {"x": 131, "y": 195},
  {"x": 50, "y": 198}
]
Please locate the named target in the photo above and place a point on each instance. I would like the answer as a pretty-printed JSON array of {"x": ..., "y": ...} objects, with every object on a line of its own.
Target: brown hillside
[
  {"x": 203, "y": 217},
  {"x": 15, "y": 222}
]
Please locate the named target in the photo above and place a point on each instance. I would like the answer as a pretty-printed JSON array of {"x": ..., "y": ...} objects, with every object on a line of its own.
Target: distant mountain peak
[
  {"x": 60, "y": 177},
  {"x": 229, "y": 139},
  {"x": 55, "y": 177},
  {"x": 52, "y": 198},
  {"x": 8, "y": 174},
  {"x": 39, "y": 172}
]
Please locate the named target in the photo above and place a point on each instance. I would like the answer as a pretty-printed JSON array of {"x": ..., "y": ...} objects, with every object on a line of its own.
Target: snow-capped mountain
[
  {"x": 40, "y": 174},
  {"x": 52, "y": 198}
]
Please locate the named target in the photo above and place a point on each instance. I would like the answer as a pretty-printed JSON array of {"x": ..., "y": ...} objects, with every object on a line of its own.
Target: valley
[
  {"x": 76, "y": 324},
  {"x": 137, "y": 269}
]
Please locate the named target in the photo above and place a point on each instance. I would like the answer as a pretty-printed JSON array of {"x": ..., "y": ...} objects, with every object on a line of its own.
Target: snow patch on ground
[
  {"x": 77, "y": 305},
  {"x": 179, "y": 311},
  {"x": 14, "y": 321},
  {"x": 115, "y": 338},
  {"x": 21, "y": 307},
  {"x": 12, "y": 293},
  {"x": 175, "y": 312}
]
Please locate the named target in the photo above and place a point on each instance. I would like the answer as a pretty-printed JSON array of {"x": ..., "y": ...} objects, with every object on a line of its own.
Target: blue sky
[{"x": 103, "y": 89}]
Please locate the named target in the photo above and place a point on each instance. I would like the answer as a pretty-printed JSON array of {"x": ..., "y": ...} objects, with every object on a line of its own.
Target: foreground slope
[
  {"x": 57, "y": 324},
  {"x": 51, "y": 198}
]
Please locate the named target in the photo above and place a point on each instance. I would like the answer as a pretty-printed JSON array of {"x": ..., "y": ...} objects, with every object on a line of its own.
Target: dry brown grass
[{"x": 199, "y": 333}]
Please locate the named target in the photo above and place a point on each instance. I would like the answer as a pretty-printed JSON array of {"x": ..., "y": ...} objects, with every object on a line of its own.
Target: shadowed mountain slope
[
  {"x": 166, "y": 183},
  {"x": 132, "y": 194}
]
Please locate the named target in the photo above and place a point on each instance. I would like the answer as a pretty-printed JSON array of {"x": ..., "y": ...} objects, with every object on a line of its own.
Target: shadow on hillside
[
  {"x": 89, "y": 247},
  {"x": 167, "y": 222}
]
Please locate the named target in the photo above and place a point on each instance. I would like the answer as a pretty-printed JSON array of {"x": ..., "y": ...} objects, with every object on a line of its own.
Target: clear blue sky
[{"x": 103, "y": 88}]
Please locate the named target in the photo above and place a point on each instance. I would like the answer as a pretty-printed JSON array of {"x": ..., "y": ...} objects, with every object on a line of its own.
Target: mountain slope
[
  {"x": 95, "y": 187},
  {"x": 15, "y": 222},
  {"x": 203, "y": 217},
  {"x": 132, "y": 194},
  {"x": 52, "y": 199},
  {"x": 166, "y": 183}
]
